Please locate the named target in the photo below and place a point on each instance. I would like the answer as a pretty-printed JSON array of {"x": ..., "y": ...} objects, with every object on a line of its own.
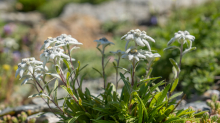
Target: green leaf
[
  {"x": 72, "y": 120},
  {"x": 107, "y": 63},
  {"x": 114, "y": 65},
  {"x": 173, "y": 62},
  {"x": 147, "y": 80},
  {"x": 98, "y": 71},
  {"x": 176, "y": 95},
  {"x": 127, "y": 84},
  {"x": 142, "y": 105},
  {"x": 67, "y": 64},
  {"x": 103, "y": 121},
  {"x": 57, "y": 69},
  {"x": 140, "y": 113},
  {"x": 175, "y": 83},
  {"x": 55, "y": 91},
  {"x": 188, "y": 50},
  {"x": 171, "y": 47},
  {"x": 199, "y": 114},
  {"x": 163, "y": 95},
  {"x": 54, "y": 75},
  {"x": 68, "y": 90},
  {"x": 83, "y": 67},
  {"x": 170, "y": 120},
  {"x": 149, "y": 72},
  {"x": 39, "y": 95},
  {"x": 174, "y": 72},
  {"x": 67, "y": 78}
]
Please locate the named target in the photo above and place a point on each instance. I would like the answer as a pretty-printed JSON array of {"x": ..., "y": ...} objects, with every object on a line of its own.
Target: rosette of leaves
[{"x": 144, "y": 102}]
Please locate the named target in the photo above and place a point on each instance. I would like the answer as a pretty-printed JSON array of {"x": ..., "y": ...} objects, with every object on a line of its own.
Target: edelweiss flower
[
  {"x": 132, "y": 54},
  {"x": 103, "y": 41},
  {"x": 182, "y": 37},
  {"x": 29, "y": 77},
  {"x": 149, "y": 55},
  {"x": 64, "y": 40},
  {"x": 48, "y": 42},
  {"x": 27, "y": 64},
  {"x": 118, "y": 52},
  {"x": 53, "y": 53},
  {"x": 141, "y": 38}
]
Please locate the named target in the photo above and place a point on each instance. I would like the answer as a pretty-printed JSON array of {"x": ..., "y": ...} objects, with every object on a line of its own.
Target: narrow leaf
[
  {"x": 171, "y": 47},
  {"x": 174, "y": 85},
  {"x": 97, "y": 71}
]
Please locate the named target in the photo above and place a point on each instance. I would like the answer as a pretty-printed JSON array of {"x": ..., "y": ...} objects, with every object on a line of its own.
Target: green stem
[
  {"x": 181, "y": 55},
  {"x": 46, "y": 94},
  {"x": 103, "y": 66},
  {"x": 148, "y": 69},
  {"x": 117, "y": 73},
  {"x": 133, "y": 72},
  {"x": 72, "y": 65}
]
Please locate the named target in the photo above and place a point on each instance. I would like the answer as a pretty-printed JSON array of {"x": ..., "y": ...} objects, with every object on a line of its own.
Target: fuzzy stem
[
  {"x": 49, "y": 99},
  {"x": 148, "y": 68},
  {"x": 133, "y": 72},
  {"x": 117, "y": 72},
  {"x": 181, "y": 55},
  {"x": 60, "y": 74},
  {"x": 72, "y": 65},
  {"x": 103, "y": 66}
]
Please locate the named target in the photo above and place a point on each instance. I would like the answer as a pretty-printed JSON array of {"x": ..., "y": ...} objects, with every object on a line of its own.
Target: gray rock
[
  {"x": 12, "y": 111},
  {"x": 198, "y": 106},
  {"x": 5, "y": 6},
  {"x": 208, "y": 94},
  {"x": 109, "y": 11},
  {"x": 28, "y": 18},
  {"x": 46, "y": 117},
  {"x": 123, "y": 10}
]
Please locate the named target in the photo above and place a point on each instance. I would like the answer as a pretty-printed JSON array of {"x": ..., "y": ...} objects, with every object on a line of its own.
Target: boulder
[
  {"x": 127, "y": 10},
  {"x": 84, "y": 28}
]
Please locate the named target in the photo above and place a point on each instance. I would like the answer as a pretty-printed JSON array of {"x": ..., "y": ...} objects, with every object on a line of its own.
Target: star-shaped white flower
[
  {"x": 48, "y": 42},
  {"x": 103, "y": 41},
  {"x": 149, "y": 55},
  {"x": 132, "y": 54},
  {"x": 54, "y": 53},
  {"x": 64, "y": 40},
  {"x": 182, "y": 37},
  {"x": 27, "y": 65},
  {"x": 140, "y": 38}
]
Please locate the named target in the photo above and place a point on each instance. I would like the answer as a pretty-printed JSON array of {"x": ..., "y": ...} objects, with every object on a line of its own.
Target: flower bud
[
  {"x": 14, "y": 119},
  {"x": 211, "y": 104},
  {"x": 9, "y": 117},
  {"x": 214, "y": 118},
  {"x": 19, "y": 117},
  {"x": 5, "y": 118},
  {"x": 29, "y": 112},
  {"x": 215, "y": 97},
  {"x": 208, "y": 102},
  {"x": 205, "y": 116},
  {"x": 217, "y": 105},
  {"x": 23, "y": 116},
  {"x": 191, "y": 108},
  {"x": 32, "y": 120}
]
